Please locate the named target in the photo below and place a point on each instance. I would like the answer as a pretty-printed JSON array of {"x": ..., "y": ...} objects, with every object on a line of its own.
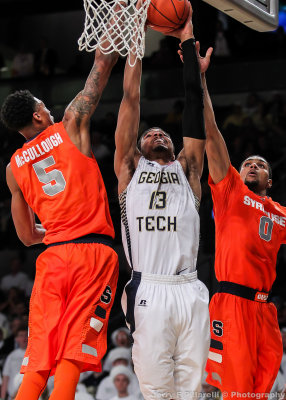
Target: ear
[
  {"x": 37, "y": 116},
  {"x": 269, "y": 184}
]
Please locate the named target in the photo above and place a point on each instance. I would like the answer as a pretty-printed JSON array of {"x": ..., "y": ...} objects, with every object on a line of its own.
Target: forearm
[
  {"x": 31, "y": 236},
  {"x": 99, "y": 75},
  {"x": 209, "y": 116},
  {"x": 38, "y": 233},
  {"x": 24, "y": 220},
  {"x": 128, "y": 119},
  {"x": 217, "y": 153},
  {"x": 132, "y": 80},
  {"x": 193, "y": 116}
]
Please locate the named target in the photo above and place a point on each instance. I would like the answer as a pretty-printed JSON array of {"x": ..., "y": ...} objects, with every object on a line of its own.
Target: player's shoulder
[
  {"x": 233, "y": 172},
  {"x": 277, "y": 205},
  {"x": 232, "y": 178},
  {"x": 9, "y": 172}
]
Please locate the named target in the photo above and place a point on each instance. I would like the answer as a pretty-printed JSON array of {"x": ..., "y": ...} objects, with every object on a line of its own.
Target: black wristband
[{"x": 193, "y": 116}]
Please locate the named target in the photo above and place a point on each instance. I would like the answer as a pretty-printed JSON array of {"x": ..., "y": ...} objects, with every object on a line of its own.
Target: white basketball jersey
[{"x": 160, "y": 223}]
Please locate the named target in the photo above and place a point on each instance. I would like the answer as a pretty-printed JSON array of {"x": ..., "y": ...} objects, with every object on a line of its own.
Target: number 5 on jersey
[{"x": 54, "y": 179}]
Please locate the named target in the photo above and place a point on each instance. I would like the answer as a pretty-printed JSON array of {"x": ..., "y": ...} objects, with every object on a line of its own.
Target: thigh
[
  {"x": 154, "y": 340},
  {"x": 92, "y": 281},
  {"x": 193, "y": 340},
  {"x": 232, "y": 360},
  {"x": 47, "y": 306},
  {"x": 270, "y": 349}
]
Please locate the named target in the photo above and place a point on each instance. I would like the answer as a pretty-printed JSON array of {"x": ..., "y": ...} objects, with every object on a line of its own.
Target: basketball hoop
[{"x": 114, "y": 25}]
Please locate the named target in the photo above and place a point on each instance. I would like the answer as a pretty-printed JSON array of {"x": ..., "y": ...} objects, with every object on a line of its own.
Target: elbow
[
  {"x": 26, "y": 242},
  {"x": 131, "y": 93},
  {"x": 26, "y": 239},
  {"x": 133, "y": 99}
]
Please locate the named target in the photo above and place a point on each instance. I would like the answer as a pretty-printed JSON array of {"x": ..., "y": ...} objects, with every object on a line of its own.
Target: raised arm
[
  {"x": 24, "y": 218},
  {"x": 192, "y": 155},
  {"x": 217, "y": 153},
  {"x": 193, "y": 119},
  {"x": 126, "y": 153},
  {"x": 79, "y": 111}
]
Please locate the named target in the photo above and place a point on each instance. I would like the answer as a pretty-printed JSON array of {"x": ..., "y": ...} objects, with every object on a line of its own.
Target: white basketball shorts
[{"x": 169, "y": 320}]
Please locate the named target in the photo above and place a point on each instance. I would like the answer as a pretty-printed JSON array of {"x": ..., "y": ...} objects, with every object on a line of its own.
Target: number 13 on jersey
[{"x": 158, "y": 200}]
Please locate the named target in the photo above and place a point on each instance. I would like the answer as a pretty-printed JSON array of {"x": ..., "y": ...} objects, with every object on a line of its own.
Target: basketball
[{"x": 167, "y": 15}]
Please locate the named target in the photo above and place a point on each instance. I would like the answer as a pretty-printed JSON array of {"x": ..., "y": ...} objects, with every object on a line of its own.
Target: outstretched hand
[
  {"x": 186, "y": 31},
  {"x": 203, "y": 61}
]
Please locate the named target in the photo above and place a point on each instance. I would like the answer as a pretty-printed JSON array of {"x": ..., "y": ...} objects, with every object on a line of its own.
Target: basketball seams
[
  {"x": 180, "y": 19},
  {"x": 164, "y": 16},
  {"x": 167, "y": 29},
  {"x": 165, "y": 23}
]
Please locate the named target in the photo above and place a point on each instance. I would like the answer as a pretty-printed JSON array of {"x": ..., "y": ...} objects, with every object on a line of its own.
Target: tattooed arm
[{"x": 79, "y": 111}]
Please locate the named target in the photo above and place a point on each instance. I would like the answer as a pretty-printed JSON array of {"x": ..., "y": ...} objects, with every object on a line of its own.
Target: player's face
[
  {"x": 255, "y": 174},
  {"x": 44, "y": 113},
  {"x": 156, "y": 141}
]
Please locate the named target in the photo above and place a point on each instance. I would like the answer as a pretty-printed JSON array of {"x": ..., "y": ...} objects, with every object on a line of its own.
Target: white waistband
[{"x": 169, "y": 279}]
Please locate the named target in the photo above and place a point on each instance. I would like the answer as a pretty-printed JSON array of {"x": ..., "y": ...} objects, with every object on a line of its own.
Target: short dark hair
[
  {"x": 17, "y": 110},
  {"x": 264, "y": 159},
  {"x": 149, "y": 130}
]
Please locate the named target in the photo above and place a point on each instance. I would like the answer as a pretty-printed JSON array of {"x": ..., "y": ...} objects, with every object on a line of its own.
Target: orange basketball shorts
[
  {"x": 70, "y": 304},
  {"x": 246, "y": 346}
]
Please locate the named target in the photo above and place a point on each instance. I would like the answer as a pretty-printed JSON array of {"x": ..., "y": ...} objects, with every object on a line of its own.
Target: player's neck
[
  {"x": 162, "y": 159},
  {"x": 31, "y": 131},
  {"x": 261, "y": 193}
]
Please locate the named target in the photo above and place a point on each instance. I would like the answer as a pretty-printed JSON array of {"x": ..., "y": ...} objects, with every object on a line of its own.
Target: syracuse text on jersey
[
  {"x": 259, "y": 206},
  {"x": 33, "y": 152}
]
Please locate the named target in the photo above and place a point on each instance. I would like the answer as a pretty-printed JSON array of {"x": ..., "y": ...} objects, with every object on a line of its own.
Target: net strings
[{"x": 114, "y": 25}]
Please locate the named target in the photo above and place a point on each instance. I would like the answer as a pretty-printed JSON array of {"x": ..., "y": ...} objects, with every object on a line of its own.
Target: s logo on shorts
[
  {"x": 106, "y": 295},
  {"x": 217, "y": 328}
]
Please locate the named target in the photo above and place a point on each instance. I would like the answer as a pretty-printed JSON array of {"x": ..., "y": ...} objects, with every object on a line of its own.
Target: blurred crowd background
[{"x": 247, "y": 83}]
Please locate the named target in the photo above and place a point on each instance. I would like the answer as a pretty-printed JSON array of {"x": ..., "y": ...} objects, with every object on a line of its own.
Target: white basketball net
[{"x": 114, "y": 25}]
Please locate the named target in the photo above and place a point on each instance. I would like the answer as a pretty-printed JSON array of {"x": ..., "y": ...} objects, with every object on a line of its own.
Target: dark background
[{"x": 249, "y": 82}]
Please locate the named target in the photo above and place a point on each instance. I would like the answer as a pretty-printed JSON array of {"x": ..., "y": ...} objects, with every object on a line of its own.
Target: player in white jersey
[{"x": 166, "y": 306}]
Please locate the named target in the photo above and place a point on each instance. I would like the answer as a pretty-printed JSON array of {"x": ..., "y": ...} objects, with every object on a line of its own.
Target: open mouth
[
  {"x": 159, "y": 141},
  {"x": 252, "y": 174}
]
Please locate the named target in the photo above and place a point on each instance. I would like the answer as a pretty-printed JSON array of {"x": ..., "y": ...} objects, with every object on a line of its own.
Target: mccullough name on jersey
[{"x": 33, "y": 152}]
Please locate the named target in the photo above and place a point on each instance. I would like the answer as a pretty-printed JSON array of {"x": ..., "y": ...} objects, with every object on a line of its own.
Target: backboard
[{"x": 261, "y": 15}]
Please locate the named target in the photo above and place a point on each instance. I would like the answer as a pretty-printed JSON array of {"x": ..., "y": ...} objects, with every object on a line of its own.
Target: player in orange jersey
[
  {"x": 55, "y": 176},
  {"x": 246, "y": 347}
]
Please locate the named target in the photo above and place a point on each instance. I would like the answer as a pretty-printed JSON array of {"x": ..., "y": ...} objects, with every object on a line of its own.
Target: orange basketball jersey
[
  {"x": 249, "y": 232},
  {"x": 62, "y": 186}
]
